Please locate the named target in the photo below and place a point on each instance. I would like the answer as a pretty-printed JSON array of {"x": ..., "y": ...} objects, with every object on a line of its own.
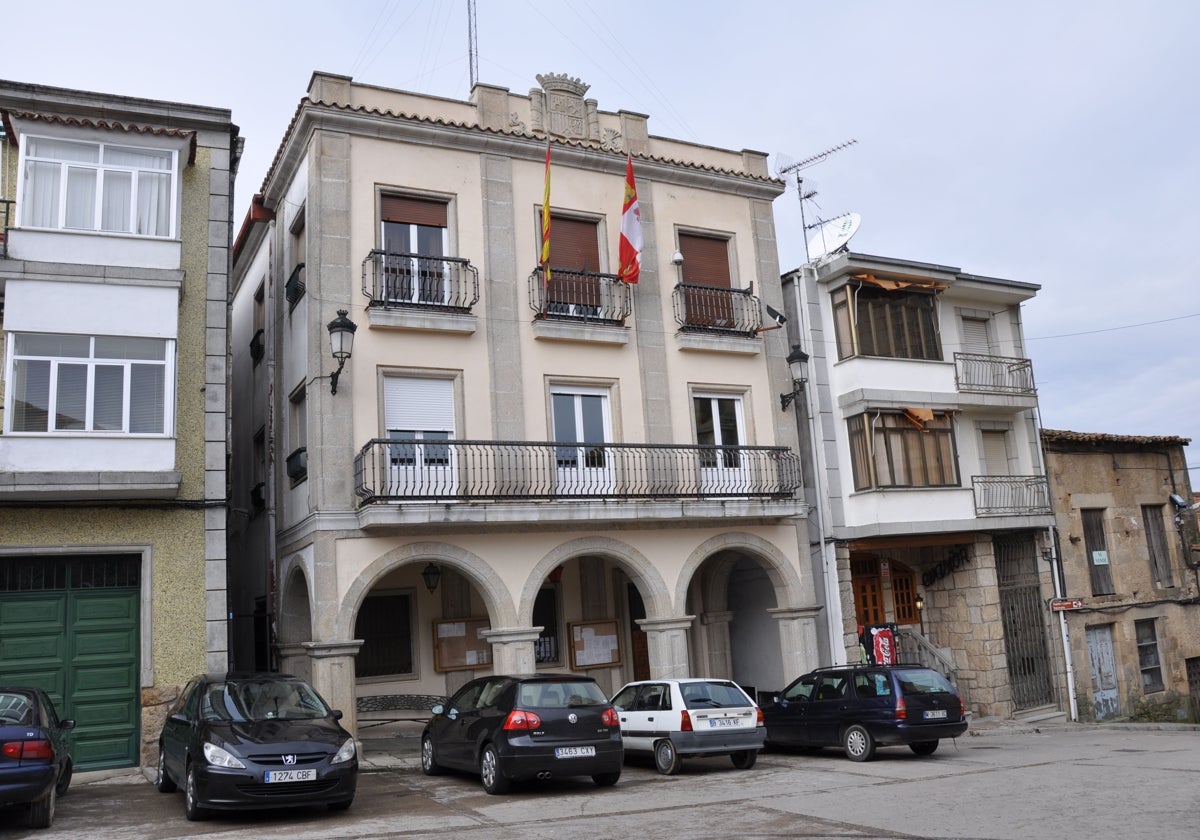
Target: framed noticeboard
[
  {"x": 458, "y": 644},
  {"x": 594, "y": 644}
]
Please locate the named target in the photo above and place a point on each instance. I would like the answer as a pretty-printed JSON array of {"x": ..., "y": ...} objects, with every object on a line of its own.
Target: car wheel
[
  {"x": 744, "y": 759},
  {"x": 162, "y": 782},
  {"x": 666, "y": 759},
  {"x": 429, "y": 763},
  {"x": 859, "y": 744},
  {"x": 924, "y": 747},
  {"x": 344, "y": 805},
  {"x": 64, "y": 781},
  {"x": 191, "y": 803},
  {"x": 41, "y": 812},
  {"x": 493, "y": 780},
  {"x": 606, "y": 779}
]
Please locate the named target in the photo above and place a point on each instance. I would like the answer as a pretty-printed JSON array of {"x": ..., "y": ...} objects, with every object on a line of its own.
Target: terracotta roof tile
[
  {"x": 106, "y": 125},
  {"x": 1059, "y": 436}
]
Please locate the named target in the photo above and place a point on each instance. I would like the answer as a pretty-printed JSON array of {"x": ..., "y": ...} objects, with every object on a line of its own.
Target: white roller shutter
[{"x": 418, "y": 404}]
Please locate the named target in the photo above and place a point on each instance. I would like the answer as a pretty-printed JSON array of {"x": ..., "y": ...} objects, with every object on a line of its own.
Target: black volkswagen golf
[
  {"x": 255, "y": 741},
  {"x": 534, "y": 727}
]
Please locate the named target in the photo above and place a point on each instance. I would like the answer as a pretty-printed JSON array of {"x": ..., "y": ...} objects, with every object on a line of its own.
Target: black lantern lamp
[
  {"x": 341, "y": 341},
  {"x": 797, "y": 362},
  {"x": 432, "y": 576}
]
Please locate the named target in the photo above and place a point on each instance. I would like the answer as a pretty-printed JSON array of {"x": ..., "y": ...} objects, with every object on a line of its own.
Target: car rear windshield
[
  {"x": 15, "y": 709},
  {"x": 560, "y": 695},
  {"x": 713, "y": 695},
  {"x": 261, "y": 700},
  {"x": 923, "y": 681}
]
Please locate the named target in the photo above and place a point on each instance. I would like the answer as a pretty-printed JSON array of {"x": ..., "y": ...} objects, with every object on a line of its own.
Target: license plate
[
  {"x": 273, "y": 776},
  {"x": 713, "y": 723},
  {"x": 574, "y": 752},
  {"x": 935, "y": 714}
]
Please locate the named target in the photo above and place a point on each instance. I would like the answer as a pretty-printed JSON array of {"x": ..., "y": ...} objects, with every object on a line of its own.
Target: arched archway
[{"x": 295, "y": 620}]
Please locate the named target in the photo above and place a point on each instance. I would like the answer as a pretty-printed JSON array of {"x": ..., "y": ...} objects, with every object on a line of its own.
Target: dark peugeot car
[
  {"x": 533, "y": 727},
  {"x": 255, "y": 741},
  {"x": 35, "y": 758},
  {"x": 860, "y": 707}
]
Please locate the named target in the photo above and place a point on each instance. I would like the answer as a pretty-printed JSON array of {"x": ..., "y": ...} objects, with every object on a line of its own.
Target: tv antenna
[
  {"x": 472, "y": 44},
  {"x": 808, "y": 192}
]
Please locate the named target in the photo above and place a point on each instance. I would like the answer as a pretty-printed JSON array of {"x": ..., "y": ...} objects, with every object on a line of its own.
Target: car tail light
[
  {"x": 758, "y": 715},
  {"x": 962, "y": 708},
  {"x": 519, "y": 719},
  {"x": 901, "y": 709},
  {"x": 610, "y": 718},
  {"x": 685, "y": 723},
  {"x": 29, "y": 749}
]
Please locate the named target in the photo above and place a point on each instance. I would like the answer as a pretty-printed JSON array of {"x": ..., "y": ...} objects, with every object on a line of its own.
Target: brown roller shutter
[
  {"x": 705, "y": 260},
  {"x": 574, "y": 245},
  {"x": 412, "y": 211}
]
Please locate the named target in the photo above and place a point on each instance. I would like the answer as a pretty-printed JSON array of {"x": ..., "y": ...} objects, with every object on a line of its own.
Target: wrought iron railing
[
  {"x": 712, "y": 309},
  {"x": 580, "y": 296},
  {"x": 408, "y": 281},
  {"x": 912, "y": 646},
  {"x": 293, "y": 290},
  {"x": 993, "y": 374},
  {"x": 6, "y": 206},
  {"x": 487, "y": 470},
  {"x": 1011, "y": 495}
]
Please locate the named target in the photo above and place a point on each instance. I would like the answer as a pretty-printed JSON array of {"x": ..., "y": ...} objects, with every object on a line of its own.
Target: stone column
[
  {"x": 512, "y": 649},
  {"x": 293, "y": 659},
  {"x": 667, "y": 640},
  {"x": 798, "y": 638},
  {"x": 332, "y": 667},
  {"x": 720, "y": 657}
]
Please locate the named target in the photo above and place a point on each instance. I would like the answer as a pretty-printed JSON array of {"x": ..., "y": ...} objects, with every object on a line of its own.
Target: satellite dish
[{"x": 833, "y": 235}]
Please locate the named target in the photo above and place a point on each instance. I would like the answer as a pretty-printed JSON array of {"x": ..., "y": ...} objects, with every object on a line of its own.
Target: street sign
[{"x": 1061, "y": 604}]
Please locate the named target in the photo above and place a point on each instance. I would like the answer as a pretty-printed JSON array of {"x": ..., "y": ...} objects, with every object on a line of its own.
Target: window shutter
[
  {"x": 412, "y": 211},
  {"x": 574, "y": 245},
  {"x": 419, "y": 404},
  {"x": 995, "y": 453},
  {"x": 705, "y": 260},
  {"x": 975, "y": 336}
]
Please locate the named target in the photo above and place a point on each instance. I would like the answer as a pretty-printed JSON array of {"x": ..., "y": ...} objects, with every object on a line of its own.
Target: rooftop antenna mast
[
  {"x": 472, "y": 43},
  {"x": 807, "y": 194}
]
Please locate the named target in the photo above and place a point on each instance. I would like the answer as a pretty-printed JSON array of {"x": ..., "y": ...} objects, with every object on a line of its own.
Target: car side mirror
[
  {"x": 66, "y": 724},
  {"x": 179, "y": 717},
  {"x": 336, "y": 714}
]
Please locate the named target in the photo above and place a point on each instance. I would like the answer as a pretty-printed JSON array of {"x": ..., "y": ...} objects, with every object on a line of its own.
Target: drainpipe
[{"x": 1056, "y": 571}]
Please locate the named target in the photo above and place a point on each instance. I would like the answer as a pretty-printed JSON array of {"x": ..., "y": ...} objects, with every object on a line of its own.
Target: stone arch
[
  {"x": 784, "y": 577},
  {"x": 295, "y": 604},
  {"x": 496, "y": 597},
  {"x": 655, "y": 593}
]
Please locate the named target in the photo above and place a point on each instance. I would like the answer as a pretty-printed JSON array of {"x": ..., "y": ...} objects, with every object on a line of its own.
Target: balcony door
[
  {"x": 719, "y": 423},
  {"x": 574, "y": 290},
  {"x": 414, "y": 242},
  {"x": 419, "y": 414},
  {"x": 706, "y": 275},
  {"x": 582, "y": 426}
]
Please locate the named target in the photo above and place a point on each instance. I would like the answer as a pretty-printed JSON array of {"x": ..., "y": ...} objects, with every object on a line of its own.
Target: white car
[{"x": 673, "y": 719}]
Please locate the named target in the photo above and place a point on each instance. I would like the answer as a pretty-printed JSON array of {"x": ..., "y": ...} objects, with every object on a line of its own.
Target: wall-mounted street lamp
[
  {"x": 919, "y": 603},
  {"x": 797, "y": 363},
  {"x": 432, "y": 576},
  {"x": 341, "y": 341}
]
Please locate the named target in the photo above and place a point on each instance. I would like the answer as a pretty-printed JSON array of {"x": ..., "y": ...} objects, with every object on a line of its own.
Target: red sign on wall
[{"x": 1062, "y": 604}]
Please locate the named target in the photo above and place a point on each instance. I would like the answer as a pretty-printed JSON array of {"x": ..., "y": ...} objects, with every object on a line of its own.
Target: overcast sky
[{"x": 1055, "y": 143}]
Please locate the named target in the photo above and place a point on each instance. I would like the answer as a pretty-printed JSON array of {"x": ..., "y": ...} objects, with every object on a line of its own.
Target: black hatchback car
[
  {"x": 35, "y": 756},
  {"x": 860, "y": 707},
  {"x": 236, "y": 741},
  {"x": 509, "y": 728}
]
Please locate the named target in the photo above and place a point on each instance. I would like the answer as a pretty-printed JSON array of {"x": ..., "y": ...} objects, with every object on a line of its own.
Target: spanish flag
[{"x": 546, "y": 220}]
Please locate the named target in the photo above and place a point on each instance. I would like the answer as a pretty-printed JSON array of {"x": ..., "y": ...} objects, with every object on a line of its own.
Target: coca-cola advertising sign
[{"x": 884, "y": 642}]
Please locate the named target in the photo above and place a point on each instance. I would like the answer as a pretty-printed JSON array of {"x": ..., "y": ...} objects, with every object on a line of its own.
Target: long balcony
[
  {"x": 580, "y": 296},
  {"x": 6, "y": 208},
  {"x": 978, "y": 373},
  {"x": 419, "y": 281},
  {"x": 1011, "y": 495},
  {"x": 723, "y": 311},
  {"x": 389, "y": 470}
]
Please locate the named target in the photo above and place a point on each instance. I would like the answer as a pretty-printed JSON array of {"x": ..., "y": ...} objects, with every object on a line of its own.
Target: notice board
[
  {"x": 458, "y": 644},
  {"x": 594, "y": 644}
]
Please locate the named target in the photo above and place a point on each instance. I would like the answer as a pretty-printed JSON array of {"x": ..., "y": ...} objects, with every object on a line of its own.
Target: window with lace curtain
[{"x": 102, "y": 187}]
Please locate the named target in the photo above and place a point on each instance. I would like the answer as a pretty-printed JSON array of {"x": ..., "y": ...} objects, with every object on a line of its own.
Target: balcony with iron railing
[
  {"x": 1011, "y": 495},
  {"x": 985, "y": 374},
  {"x": 419, "y": 282},
  {"x": 293, "y": 290},
  {"x": 388, "y": 471},
  {"x": 6, "y": 208},
  {"x": 717, "y": 310},
  {"x": 585, "y": 297}
]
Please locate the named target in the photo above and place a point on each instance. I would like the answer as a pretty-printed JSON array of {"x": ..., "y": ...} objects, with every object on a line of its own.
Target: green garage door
[{"x": 70, "y": 624}]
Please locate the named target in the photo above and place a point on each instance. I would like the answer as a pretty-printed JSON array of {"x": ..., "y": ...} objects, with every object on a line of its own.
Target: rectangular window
[
  {"x": 1148, "y": 656},
  {"x": 547, "y": 648},
  {"x": 901, "y": 450},
  {"x": 419, "y": 414},
  {"x": 1096, "y": 545},
  {"x": 574, "y": 291},
  {"x": 74, "y": 185},
  {"x": 1156, "y": 545},
  {"x": 707, "y": 281},
  {"x": 297, "y": 459},
  {"x": 414, "y": 238},
  {"x": 385, "y": 624},
  {"x": 719, "y": 424},
  {"x": 874, "y": 321},
  {"x": 84, "y": 383},
  {"x": 581, "y": 417}
]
